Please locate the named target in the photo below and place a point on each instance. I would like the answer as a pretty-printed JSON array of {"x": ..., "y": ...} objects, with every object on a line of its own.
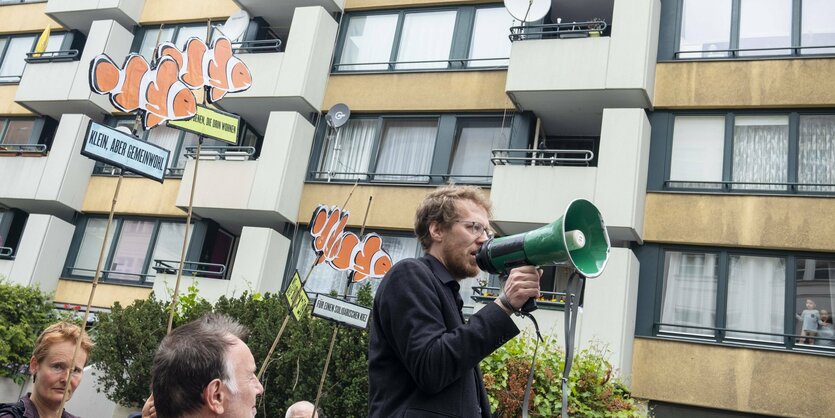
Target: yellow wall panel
[
  {"x": 779, "y": 222},
  {"x": 8, "y": 107},
  {"x": 137, "y": 196},
  {"x": 78, "y": 293},
  {"x": 742, "y": 379},
  {"x": 392, "y": 207},
  {"x": 385, "y": 4},
  {"x": 738, "y": 83},
  {"x": 167, "y": 11},
  {"x": 404, "y": 92},
  {"x": 26, "y": 18}
]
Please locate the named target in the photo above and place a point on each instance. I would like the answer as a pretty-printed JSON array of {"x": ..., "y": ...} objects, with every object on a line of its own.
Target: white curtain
[
  {"x": 426, "y": 36},
  {"x": 756, "y": 297},
  {"x": 168, "y": 246},
  {"x": 406, "y": 148},
  {"x": 490, "y": 37},
  {"x": 698, "y": 151},
  {"x": 473, "y": 149},
  {"x": 816, "y": 26},
  {"x": 14, "y": 58},
  {"x": 88, "y": 252},
  {"x": 368, "y": 39},
  {"x": 689, "y": 294},
  {"x": 131, "y": 249},
  {"x": 761, "y": 148},
  {"x": 705, "y": 27},
  {"x": 765, "y": 24},
  {"x": 816, "y": 159},
  {"x": 349, "y": 151}
]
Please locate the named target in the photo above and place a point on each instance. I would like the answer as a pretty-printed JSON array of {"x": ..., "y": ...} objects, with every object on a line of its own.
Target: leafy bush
[
  {"x": 594, "y": 390},
  {"x": 24, "y": 313}
]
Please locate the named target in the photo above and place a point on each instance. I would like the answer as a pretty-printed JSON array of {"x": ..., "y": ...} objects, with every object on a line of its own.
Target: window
[
  {"x": 178, "y": 34},
  {"x": 731, "y": 296},
  {"x": 790, "y": 152},
  {"x": 746, "y": 28},
  {"x": 412, "y": 149},
  {"x": 135, "y": 246},
  {"x": 12, "y": 222},
  {"x": 14, "y": 50},
  {"x": 425, "y": 39}
]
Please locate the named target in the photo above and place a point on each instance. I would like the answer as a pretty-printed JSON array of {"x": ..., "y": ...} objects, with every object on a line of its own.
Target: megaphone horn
[{"x": 578, "y": 240}]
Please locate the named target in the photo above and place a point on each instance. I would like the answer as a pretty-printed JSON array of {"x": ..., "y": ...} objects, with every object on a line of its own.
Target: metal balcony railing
[
  {"x": 559, "y": 30},
  {"x": 265, "y": 45},
  {"x": 740, "y": 52},
  {"x": 102, "y": 169},
  {"x": 221, "y": 153},
  {"x": 52, "y": 56},
  {"x": 190, "y": 268},
  {"x": 25, "y": 150},
  {"x": 720, "y": 335},
  {"x": 6, "y": 252},
  {"x": 542, "y": 157},
  {"x": 551, "y": 300},
  {"x": 106, "y": 275},
  {"x": 748, "y": 186},
  {"x": 453, "y": 63}
]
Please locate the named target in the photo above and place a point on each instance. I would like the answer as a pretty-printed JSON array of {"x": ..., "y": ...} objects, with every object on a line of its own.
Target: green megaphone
[{"x": 578, "y": 240}]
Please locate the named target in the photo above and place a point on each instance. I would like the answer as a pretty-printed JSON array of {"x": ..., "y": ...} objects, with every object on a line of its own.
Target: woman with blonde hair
[{"x": 51, "y": 361}]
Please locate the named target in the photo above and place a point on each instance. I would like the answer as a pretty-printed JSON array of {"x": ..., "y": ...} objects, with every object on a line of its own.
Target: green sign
[
  {"x": 296, "y": 297},
  {"x": 211, "y": 123}
]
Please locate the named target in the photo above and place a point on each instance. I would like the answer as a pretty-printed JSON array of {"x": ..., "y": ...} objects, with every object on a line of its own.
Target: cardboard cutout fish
[
  {"x": 216, "y": 68},
  {"x": 344, "y": 250},
  {"x": 136, "y": 86}
]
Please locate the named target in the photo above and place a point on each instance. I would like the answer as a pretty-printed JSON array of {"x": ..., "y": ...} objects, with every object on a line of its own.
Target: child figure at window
[
  {"x": 826, "y": 330},
  {"x": 810, "y": 317}
]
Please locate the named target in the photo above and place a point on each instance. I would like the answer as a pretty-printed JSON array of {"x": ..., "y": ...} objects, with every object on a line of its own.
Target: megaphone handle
[{"x": 530, "y": 305}]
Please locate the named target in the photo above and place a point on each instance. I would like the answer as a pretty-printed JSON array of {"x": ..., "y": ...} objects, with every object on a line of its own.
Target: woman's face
[{"x": 51, "y": 373}]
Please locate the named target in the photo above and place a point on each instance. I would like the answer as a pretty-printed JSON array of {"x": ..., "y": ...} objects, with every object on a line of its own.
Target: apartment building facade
[{"x": 640, "y": 106}]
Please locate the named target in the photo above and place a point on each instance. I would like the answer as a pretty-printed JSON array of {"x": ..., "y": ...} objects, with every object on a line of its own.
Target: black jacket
[{"x": 423, "y": 359}]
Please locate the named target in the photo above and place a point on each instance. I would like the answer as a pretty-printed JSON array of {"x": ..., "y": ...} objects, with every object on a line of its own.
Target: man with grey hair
[
  {"x": 204, "y": 369},
  {"x": 302, "y": 409}
]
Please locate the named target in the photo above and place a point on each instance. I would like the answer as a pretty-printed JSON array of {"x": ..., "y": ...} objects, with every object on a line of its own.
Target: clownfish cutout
[
  {"x": 216, "y": 68},
  {"x": 344, "y": 250},
  {"x": 137, "y": 86}
]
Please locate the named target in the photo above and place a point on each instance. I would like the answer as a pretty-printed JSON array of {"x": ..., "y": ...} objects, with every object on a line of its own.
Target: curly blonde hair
[{"x": 440, "y": 206}]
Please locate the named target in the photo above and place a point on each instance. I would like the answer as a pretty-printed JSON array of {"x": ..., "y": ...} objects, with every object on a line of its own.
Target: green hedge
[{"x": 24, "y": 313}]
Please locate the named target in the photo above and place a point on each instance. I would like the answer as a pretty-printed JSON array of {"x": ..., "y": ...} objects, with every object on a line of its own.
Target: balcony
[
  {"x": 293, "y": 80},
  {"x": 569, "y": 78},
  {"x": 280, "y": 17},
  {"x": 55, "y": 88},
  {"x": 52, "y": 183},
  {"x": 39, "y": 257},
  {"x": 80, "y": 14},
  {"x": 259, "y": 193},
  {"x": 617, "y": 186},
  {"x": 261, "y": 253}
]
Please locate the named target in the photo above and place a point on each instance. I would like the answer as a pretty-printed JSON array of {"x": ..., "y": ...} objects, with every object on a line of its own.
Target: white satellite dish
[
  {"x": 235, "y": 26},
  {"x": 527, "y": 10},
  {"x": 338, "y": 115}
]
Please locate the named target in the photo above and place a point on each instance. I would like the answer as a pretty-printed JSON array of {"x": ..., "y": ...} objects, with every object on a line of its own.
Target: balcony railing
[
  {"x": 190, "y": 268},
  {"x": 349, "y": 176},
  {"x": 26, "y": 150},
  {"x": 264, "y": 45},
  {"x": 52, "y": 56},
  {"x": 542, "y": 157},
  {"x": 449, "y": 64},
  {"x": 740, "y": 52},
  {"x": 106, "y": 275},
  {"x": 748, "y": 186},
  {"x": 102, "y": 169},
  {"x": 720, "y": 335},
  {"x": 6, "y": 252},
  {"x": 221, "y": 153},
  {"x": 548, "y": 300},
  {"x": 559, "y": 30}
]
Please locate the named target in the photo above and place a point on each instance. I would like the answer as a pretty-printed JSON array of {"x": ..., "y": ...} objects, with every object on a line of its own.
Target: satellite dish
[
  {"x": 235, "y": 26},
  {"x": 527, "y": 10},
  {"x": 338, "y": 115}
]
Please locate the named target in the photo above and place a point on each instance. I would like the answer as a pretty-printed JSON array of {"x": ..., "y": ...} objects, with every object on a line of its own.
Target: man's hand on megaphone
[{"x": 522, "y": 284}]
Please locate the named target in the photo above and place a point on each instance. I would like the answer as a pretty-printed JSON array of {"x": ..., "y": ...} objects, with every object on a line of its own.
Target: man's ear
[
  {"x": 213, "y": 396},
  {"x": 436, "y": 232}
]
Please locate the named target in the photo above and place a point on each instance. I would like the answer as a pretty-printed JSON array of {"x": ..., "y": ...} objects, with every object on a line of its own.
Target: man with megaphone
[{"x": 423, "y": 358}]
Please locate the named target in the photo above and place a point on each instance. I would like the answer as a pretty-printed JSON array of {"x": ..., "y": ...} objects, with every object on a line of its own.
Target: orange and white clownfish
[
  {"x": 158, "y": 91},
  {"x": 215, "y": 68}
]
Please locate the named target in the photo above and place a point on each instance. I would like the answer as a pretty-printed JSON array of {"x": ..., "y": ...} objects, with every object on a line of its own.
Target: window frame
[
  {"x": 720, "y": 331},
  {"x": 795, "y": 49},
  {"x": 442, "y": 155},
  {"x": 460, "y": 47},
  {"x": 197, "y": 244},
  {"x": 793, "y": 154}
]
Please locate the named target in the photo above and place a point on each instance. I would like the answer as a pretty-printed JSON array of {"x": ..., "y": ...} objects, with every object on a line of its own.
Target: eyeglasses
[{"x": 477, "y": 229}]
